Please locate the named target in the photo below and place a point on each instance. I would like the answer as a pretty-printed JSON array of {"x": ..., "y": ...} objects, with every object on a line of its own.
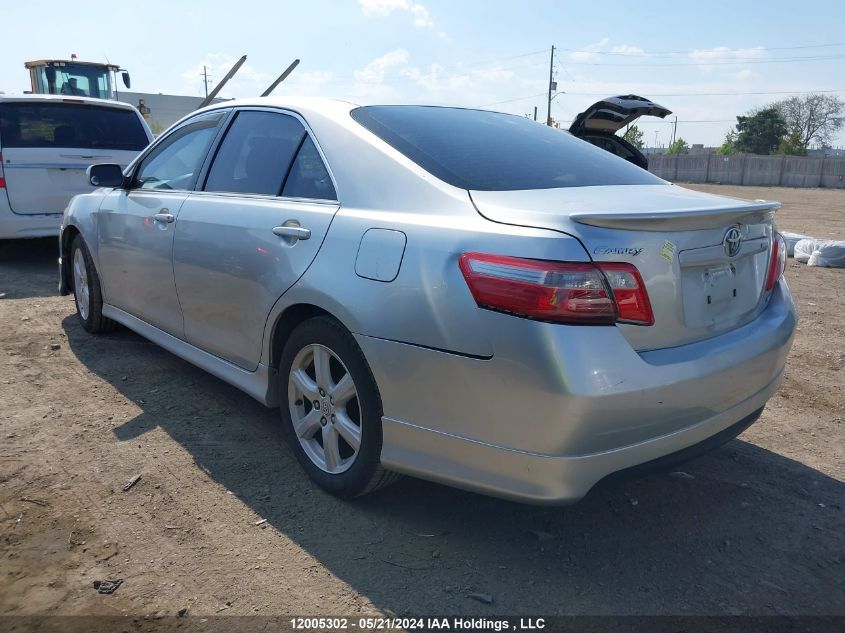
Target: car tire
[
  {"x": 87, "y": 292},
  {"x": 320, "y": 429}
]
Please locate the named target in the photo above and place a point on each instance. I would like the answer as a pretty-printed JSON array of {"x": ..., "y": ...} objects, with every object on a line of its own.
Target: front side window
[
  {"x": 256, "y": 154},
  {"x": 175, "y": 162},
  {"x": 491, "y": 151}
]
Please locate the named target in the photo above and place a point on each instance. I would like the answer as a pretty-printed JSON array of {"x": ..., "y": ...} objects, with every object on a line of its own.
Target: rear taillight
[
  {"x": 777, "y": 263},
  {"x": 2, "y": 174},
  {"x": 564, "y": 292},
  {"x": 629, "y": 293}
]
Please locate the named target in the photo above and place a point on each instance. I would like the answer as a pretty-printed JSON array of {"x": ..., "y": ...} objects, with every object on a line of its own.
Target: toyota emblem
[{"x": 732, "y": 241}]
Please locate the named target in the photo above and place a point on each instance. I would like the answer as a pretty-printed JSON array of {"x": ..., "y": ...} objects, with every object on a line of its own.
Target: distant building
[
  {"x": 837, "y": 152},
  {"x": 698, "y": 148},
  {"x": 159, "y": 110}
]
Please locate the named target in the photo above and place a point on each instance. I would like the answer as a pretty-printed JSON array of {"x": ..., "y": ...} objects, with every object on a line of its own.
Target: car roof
[
  {"x": 335, "y": 109},
  {"x": 37, "y": 98},
  {"x": 314, "y": 105},
  {"x": 321, "y": 105}
]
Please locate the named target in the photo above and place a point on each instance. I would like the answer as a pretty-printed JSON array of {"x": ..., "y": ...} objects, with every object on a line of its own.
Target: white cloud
[
  {"x": 589, "y": 52},
  {"x": 393, "y": 77},
  {"x": 708, "y": 58},
  {"x": 625, "y": 49},
  {"x": 375, "y": 71},
  {"x": 381, "y": 8},
  {"x": 307, "y": 84},
  {"x": 248, "y": 81}
]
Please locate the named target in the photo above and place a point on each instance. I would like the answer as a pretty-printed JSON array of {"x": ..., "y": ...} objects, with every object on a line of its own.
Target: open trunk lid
[
  {"x": 614, "y": 113},
  {"x": 703, "y": 258}
]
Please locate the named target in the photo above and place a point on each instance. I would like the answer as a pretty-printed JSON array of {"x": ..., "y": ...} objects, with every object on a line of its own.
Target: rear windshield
[
  {"x": 490, "y": 151},
  {"x": 26, "y": 124}
]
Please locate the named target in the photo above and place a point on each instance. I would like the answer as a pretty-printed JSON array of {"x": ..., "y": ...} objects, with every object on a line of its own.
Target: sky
[{"x": 707, "y": 62}]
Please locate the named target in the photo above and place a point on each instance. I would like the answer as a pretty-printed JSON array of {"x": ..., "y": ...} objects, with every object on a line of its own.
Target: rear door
[
  {"x": 236, "y": 250},
  {"x": 136, "y": 226},
  {"x": 48, "y": 145}
]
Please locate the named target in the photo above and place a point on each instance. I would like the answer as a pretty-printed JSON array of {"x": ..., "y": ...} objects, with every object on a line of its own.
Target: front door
[
  {"x": 250, "y": 233},
  {"x": 136, "y": 226}
]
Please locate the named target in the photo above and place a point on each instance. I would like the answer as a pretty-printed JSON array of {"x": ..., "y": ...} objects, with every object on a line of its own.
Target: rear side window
[
  {"x": 490, "y": 151},
  {"x": 256, "y": 154},
  {"x": 70, "y": 125},
  {"x": 309, "y": 177}
]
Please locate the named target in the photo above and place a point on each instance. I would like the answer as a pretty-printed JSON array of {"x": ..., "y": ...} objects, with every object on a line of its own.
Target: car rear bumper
[
  {"x": 19, "y": 226},
  {"x": 559, "y": 408}
]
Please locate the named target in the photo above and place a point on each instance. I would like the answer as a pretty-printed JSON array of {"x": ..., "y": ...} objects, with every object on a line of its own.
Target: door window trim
[{"x": 135, "y": 166}]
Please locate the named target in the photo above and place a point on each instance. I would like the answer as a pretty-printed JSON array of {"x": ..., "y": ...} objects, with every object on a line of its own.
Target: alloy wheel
[
  {"x": 324, "y": 408},
  {"x": 80, "y": 284}
]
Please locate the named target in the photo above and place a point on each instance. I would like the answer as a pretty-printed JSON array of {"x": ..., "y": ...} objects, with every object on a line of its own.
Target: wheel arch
[
  {"x": 66, "y": 279},
  {"x": 287, "y": 321}
]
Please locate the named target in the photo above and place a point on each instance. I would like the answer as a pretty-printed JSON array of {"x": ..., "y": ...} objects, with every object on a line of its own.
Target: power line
[
  {"x": 667, "y": 94},
  {"x": 457, "y": 70},
  {"x": 534, "y": 96},
  {"x": 672, "y": 122},
  {"x": 503, "y": 59},
  {"x": 706, "y": 62},
  {"x": 688, "y": 51},
  {"x": 714, "y": 94}
]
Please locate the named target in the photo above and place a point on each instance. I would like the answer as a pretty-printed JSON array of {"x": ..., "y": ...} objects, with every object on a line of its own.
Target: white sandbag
[
  {"x": 791, "y": 240},
  {"x": 828, "y": 254},
  {"x": 803, "y": 249}
]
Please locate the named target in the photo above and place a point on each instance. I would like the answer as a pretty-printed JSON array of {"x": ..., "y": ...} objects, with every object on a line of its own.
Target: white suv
[{"x": 46, "y": 144}]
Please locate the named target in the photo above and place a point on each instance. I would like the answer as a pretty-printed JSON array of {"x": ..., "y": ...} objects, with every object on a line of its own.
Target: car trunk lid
[
  {"x": 703, "y": 258},
  {"x": 612, "y": 114}
]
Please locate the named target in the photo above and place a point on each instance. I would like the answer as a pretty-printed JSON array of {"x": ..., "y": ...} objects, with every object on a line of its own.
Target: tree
[
  {"x": 760, "y": 131},
  {"x": 813, "y": 119},
  {"x": 678, "y": 147},
  {"x": 728, "y": 146},
  {"x": 634, "y": 136},
  {"x": 792, "y": 144}
]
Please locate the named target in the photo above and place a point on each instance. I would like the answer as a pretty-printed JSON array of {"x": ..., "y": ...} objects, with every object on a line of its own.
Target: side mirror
[
  {"x": 126, "y": 81},
  {"x": 105, "y": 175}
]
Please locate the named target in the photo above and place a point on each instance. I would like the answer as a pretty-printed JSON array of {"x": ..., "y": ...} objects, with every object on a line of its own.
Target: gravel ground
[{"x": 753, "y": 528}]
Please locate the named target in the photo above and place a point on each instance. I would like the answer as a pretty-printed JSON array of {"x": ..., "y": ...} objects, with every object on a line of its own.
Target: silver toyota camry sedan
[{"x": 460, "y": 295}]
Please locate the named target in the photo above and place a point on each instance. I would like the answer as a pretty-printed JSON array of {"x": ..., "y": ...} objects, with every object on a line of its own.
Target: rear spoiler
[{"x": 681, "y": 219}]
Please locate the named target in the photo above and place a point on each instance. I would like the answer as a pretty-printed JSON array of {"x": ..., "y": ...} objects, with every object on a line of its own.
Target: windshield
[
  {"x": 67, "y": 78},
  {"x": 490, "y": 151},
  {"x": 60, "y": 124}
]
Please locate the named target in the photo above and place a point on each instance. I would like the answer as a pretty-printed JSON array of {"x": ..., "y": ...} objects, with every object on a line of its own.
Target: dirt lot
[{"x": 754, "y": 528}]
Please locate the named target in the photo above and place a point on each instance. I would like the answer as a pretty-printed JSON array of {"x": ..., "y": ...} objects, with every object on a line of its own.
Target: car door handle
[
  {"x": 296, "y": 232},
  {"x": 166, "y": 218}
]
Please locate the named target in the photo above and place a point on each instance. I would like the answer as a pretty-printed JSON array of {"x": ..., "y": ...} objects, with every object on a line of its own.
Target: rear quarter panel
[{"x": 428, "y": 303}]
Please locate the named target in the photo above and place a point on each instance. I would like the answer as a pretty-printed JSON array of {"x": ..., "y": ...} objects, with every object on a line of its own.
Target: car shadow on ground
[
  {"x": 29, "y": 268},
  {"x": 741, "y": 530}
]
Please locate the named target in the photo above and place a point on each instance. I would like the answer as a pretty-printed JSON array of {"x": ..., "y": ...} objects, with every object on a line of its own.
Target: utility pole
[
  {"x": 205, "y": 79},
  {"x": 551, "y": 87},
  {"x": 210, "y": 97},
  {"x": 674, "y": 132},
  {"x": 535, "y": 113}
]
